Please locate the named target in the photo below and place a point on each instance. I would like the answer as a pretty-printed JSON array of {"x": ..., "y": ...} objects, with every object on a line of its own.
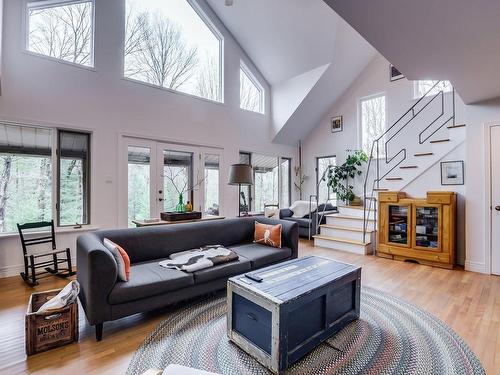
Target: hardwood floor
[{"x": 468, "y": 302}]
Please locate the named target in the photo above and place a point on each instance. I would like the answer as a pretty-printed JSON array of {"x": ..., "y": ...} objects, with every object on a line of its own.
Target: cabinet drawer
[
  {"x": 436, "y": 198},
  {"x": 390, "y": 196},
  {"x": 252, "y": 321}
]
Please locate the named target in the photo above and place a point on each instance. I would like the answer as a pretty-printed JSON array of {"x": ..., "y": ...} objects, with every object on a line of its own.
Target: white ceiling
[
  {"x": 284, "y": 38},
  {"x": 292, "y": 42},
  {"x": 457, "y": 40}
]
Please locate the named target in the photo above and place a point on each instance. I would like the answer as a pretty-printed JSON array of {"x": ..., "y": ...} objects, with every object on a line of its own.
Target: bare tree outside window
[
  {"x": 167, "y": 44},
  {"x": 250, "y": 94},
  {"x": 63, "y": 31},
  {"x": 422, "y": 87},
  {"x": 373, "y": 123}
]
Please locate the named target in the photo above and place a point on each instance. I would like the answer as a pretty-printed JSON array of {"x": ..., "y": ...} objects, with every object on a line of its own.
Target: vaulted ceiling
[
  {"x": 305, "y": 51},
  {"x": 456, "y": 40}
]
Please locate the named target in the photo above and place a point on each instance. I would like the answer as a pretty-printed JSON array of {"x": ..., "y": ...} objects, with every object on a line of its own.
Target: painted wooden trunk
[{"x": 280, "y": 313}]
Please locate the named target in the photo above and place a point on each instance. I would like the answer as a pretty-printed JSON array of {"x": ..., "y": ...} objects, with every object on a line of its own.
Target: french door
[{"x": 160, "y": 176}]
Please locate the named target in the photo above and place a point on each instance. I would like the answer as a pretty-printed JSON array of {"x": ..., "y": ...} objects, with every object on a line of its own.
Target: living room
[{"x": 119, "y": 116}]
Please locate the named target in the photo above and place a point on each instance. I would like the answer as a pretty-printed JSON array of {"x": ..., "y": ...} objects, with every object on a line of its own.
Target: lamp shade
[{"x": 240, "y": 174}]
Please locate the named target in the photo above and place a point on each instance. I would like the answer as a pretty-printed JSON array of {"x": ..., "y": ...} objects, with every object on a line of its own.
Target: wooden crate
[
  {"x": 267, "y": 318},
  {"x": 50, "y": 330}
]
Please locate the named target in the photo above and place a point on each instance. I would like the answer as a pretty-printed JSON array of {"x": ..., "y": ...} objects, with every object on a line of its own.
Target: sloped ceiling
[
  {"x": 305, "y": 51},
  {"x": 456, "y": 40}
]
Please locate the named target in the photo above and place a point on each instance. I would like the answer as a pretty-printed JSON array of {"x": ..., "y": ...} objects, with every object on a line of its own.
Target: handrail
[
  {"x": 375, "y": 148},
  {"x": 319, "y": 216}
]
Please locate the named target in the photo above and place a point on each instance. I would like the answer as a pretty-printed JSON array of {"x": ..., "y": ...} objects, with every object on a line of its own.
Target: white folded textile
[
  {"x": 198, "y": 259},
  {"x": 301, "y": 208},
  {"x": 66, "y": 297}
]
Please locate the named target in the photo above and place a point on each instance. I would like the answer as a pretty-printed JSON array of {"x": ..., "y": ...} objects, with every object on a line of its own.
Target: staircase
[
  {"x": 345, "y": 231},
  {"x": 418, "y": 140}
]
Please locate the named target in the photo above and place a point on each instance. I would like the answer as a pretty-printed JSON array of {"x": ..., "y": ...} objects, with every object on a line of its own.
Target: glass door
[
  {"x": 399, "y": 224},
  {"x": 211, "y": 184},
  {"x": 427, "y": 224}
]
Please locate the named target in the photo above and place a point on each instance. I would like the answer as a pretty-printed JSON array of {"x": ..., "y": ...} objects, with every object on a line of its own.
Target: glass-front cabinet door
[
  {"x": 427, "y": 227},
  {"x": 399, "y": 224}
]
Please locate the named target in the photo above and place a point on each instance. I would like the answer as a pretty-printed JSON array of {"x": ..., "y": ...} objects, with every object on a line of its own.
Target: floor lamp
[{"x": 241, "y": 175}]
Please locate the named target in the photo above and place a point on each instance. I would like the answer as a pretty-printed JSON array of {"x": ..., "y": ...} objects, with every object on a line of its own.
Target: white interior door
[{"x": 495, "y": 199}]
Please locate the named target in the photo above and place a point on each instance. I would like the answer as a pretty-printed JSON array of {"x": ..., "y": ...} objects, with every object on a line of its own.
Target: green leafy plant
[{"x": 338, "y": 176}]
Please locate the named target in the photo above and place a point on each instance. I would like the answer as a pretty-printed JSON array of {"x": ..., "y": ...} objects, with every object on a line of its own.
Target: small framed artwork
[
  {"x": 337, "y": 124},
  {"x": 452, "y": 172},
  {"x": 394, "y": 73}
]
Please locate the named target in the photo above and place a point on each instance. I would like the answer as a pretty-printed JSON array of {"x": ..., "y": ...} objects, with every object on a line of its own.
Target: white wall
[
  {"x": 399, "y": 98},
  {"x": 37, "y": 90}
]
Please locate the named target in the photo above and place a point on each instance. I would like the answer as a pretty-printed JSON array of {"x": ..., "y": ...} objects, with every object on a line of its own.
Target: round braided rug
[{"x": 391, "y": 337}]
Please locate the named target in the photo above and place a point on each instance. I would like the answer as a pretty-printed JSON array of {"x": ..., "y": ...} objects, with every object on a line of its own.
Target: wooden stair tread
[
  {"x": 408, "y": 167},
  {"x": 352, "y": 242},
  {"x": 394, "y": 178},
  {"x": 380, "y": 189},
  {"x": 424, "y": 154},
  {"x": 329, "y": 226},
  {"x": 456, "y": 126},
  {"x": 347, "y": 217},
  {"x": 440, "y": 140}
]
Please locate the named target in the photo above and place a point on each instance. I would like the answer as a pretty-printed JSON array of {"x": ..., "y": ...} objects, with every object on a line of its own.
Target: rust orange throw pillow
[
  {"x": 121, "y": 257},
  {"x": 269, "y": 235}
]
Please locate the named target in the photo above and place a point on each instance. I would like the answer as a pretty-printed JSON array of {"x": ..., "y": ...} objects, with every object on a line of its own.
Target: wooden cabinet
[{"x": 420, "y": 230}]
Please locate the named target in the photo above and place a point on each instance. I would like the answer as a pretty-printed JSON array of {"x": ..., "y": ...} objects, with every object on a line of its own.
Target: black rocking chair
[{"x": 32, "y": 261}]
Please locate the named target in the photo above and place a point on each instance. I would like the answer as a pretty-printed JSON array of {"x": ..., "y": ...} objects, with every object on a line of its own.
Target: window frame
[
  {"x": 417, "y": 95},
  {"x": 44, "y": 4},
  {"x": 360, "y": 120},
  {"x": 262, "y": 102},
  {"x": 57, "y": 206},
  {"x": 318, "y": 176},
  {"x": 211, "y": 26}
]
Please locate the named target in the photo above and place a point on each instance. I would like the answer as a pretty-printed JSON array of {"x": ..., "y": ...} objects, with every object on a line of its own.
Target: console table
[
  {"x": 142, "y": 223},
  {"x": 280, "y": 313}
]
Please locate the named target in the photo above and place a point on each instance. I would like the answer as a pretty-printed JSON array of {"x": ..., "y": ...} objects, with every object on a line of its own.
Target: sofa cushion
[
  {"x": 149, "y": 279},
  {"x": 260, "y": 255},
  {"x": 222, "y": 270},
  {"x": 303, "y": 223}
]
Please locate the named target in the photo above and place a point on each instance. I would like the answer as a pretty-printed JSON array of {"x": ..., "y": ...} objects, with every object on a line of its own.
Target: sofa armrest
[
  {"x": 96, "y": 272},
  {"x": 285, "y": 212}
]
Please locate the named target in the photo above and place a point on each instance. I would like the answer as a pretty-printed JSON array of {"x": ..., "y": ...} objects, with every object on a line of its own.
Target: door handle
[
  {"x": 160, "y": 199},
  {"x": 497, "y": 208}
]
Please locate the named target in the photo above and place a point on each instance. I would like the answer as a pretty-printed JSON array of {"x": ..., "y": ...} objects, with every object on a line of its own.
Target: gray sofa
[
  {"x": 151, "y": 286},
  {"x": 308, "y": 220}
]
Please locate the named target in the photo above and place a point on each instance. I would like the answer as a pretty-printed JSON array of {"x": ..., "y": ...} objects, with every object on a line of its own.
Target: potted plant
[{"x": 339, "y": 176}]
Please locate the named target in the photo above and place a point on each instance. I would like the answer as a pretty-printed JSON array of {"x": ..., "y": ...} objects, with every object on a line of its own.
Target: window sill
[{"x": 64, "y": 230}]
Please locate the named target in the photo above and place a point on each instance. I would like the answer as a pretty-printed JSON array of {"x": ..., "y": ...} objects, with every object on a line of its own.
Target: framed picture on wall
[
  {"x": 394, "y": 73},
  {"x": 452, "y": 173},
  {"x": 337, "y": 124}
]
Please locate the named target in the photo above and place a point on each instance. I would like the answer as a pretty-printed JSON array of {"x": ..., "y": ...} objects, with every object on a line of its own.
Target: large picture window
[
  {"x": 324, "y": 193},
  {"x": 431, "y": 88},
  {"x": 62, "y": 29},
  {"x": 272, "y": 182},
  {"x": 168, "y": 44},
  {"x": 27, "y": 164},
  {"x": 372, "y": 113},
  {"x": 251, "y": 92}
]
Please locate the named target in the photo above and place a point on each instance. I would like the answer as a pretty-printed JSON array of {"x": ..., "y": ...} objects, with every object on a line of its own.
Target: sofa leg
[{"x": 98, "y": 331}]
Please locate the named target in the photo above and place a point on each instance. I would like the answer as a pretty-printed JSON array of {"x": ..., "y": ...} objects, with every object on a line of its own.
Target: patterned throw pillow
[
  {"x": 269, "y": 235},
  {"x": 121, "y": 257}
]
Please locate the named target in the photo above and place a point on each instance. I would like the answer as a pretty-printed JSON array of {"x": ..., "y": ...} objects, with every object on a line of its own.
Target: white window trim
[
  {"x": 208, "y": 22},
  {"x": 416, "y": 91},
  {"x": 55, "y": 3},
  {"x": 360, "y": 121},
  {"x": 262, "y": 102}
]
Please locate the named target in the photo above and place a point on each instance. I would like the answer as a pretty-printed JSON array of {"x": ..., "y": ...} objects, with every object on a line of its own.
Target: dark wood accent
[
  {"x": 424, "y": 154},
  {"x": 98, "y": 331},
  {"x": 456, "y": 126},
  {"x": 394, "y": 178},
  {"x": 49, "y": 330},
  {"x": 380, "y": 189},
  {"x": 440, "y": 141},
  {"x": 180, "y": 216},
  {"x": 409, "y": 167}
]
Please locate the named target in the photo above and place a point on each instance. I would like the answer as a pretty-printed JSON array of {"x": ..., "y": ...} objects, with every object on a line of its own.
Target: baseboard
[
  {"x": 475, "y": 267},
  {"x": 15, "y": 270}
]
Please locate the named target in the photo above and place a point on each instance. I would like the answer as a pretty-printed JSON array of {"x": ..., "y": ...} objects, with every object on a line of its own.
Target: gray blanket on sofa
[{"x": 198, "y": 259}]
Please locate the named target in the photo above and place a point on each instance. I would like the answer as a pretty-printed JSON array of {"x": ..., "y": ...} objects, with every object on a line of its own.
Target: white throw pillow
[
  {"x": 113, "y": 248},
  {"x": 301, "y": 208}
]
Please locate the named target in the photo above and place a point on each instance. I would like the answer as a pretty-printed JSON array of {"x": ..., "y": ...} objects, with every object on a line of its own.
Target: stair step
[
  {"x": 348, "y": 217},
  {"x": 345, "y": 228},
  {"x": 380, "y": 189},
  {"x": 440, "y": 140},
  {"x": 394, "y": 179},
  {"x": 352, "y": 242},
  {"x": 408, "y": 167},
  {"x": 456, "y": 126},
  {"x": 424, "y": 154}
]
